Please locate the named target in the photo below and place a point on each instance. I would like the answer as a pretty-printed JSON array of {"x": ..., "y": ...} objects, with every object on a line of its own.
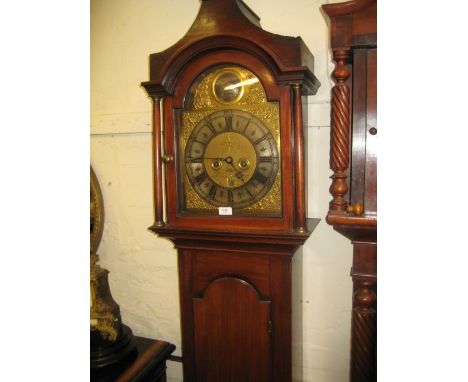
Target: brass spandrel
[
  {"x": 190, "y": 119},
  {"x": 271, "y": 202},
  {"x": 203, "y": 98},
  {"x": 193, "y": 200},
  {"x": 269, "y": 115},
  {"x": 255, "y": 95}
]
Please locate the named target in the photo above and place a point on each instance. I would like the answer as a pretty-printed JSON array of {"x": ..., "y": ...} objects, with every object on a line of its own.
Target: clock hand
[
  {"x": 198, "y": 159},
  {"x": 238, "y": 175}
]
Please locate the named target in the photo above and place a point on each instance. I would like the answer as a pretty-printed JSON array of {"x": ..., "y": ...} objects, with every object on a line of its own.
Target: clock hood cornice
[
  {"x": 346, "y": 16},
  {"x": 231, "y": 24}
]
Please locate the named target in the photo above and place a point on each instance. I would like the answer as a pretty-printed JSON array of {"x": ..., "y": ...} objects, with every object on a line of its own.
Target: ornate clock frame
[{"x": 234, "y": 271}]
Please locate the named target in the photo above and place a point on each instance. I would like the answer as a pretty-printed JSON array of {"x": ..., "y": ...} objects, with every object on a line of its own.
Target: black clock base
[{"x": 108, "y": 353}]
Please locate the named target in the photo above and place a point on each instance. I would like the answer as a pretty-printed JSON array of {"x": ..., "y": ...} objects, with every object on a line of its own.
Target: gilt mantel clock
[
  {"x": 353, "y": 159},
  {"x": 229, "y": 187}
]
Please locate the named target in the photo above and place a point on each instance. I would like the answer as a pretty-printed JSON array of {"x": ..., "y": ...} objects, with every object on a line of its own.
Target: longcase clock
[
  {"x": 229, "y": 188},
  {"x": 353, "y": 159}
]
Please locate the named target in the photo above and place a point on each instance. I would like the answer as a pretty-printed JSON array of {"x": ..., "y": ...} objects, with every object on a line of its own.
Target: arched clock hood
[{"x": 231, "y": 24}]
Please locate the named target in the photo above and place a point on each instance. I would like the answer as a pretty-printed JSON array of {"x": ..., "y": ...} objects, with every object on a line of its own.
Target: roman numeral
[
  {"x": 230, "y": 197},
  {"x": 210, "y": 126},
  {"x": 200, "y": 178},
  {"x": 265, "y": 159},
  {"x": 260, "y": 178},
  {"x": 228, "y": 118},
  {"x": 212, "y": 192},
  {"x": 261, "y": 139},
  {"x": 246, "y": 125}
]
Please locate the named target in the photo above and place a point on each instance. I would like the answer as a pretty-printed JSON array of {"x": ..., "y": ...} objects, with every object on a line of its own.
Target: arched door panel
[{"x": 232, "y": 333}]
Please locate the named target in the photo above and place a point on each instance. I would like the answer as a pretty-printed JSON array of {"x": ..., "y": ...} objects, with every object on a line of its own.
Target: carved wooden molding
[
  {"x": 340, "y": 125},
  {"x": 364, "y": 332}
]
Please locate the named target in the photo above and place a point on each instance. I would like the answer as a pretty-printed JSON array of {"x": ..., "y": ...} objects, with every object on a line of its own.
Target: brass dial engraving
[
  {"x": 227, "y": 159},
  {"x": 231, "y": 159}
]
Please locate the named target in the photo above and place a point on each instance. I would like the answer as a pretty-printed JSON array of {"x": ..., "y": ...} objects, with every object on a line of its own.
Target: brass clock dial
[
  {"x": 231, "y": 159},
  {"x": 230, "y": 146}
]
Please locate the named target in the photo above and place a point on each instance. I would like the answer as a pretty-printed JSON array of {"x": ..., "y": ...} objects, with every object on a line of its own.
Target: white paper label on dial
[{"x": 225, "y": 210}]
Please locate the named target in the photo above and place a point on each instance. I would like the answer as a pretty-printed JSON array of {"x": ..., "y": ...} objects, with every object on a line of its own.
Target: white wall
[{"x": 143, "y": 268}]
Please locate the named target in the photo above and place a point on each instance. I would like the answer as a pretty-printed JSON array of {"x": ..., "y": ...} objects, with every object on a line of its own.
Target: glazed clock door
[{"x": 232, "y": 333}]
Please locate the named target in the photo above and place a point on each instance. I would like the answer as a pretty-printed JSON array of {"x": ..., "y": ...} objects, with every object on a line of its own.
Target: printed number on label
[{"x": 225, "y": 210}]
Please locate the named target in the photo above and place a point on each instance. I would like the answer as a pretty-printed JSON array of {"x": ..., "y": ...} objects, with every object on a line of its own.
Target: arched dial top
[{"x": 231, "y": 159}]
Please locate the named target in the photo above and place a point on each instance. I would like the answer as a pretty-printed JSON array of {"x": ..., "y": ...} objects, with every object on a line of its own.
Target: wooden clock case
[
  {"x": 353, "y": 159},
  {"x": 234, "y": 271}
]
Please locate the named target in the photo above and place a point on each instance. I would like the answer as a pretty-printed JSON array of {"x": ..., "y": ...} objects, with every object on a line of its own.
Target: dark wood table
[{"x": 147, "y": 364}]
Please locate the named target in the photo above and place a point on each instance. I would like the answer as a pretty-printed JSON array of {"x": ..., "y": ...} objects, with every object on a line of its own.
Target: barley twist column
[
  {"x": 364, "y": 332},
  {"x": 340, "y": 127}
]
